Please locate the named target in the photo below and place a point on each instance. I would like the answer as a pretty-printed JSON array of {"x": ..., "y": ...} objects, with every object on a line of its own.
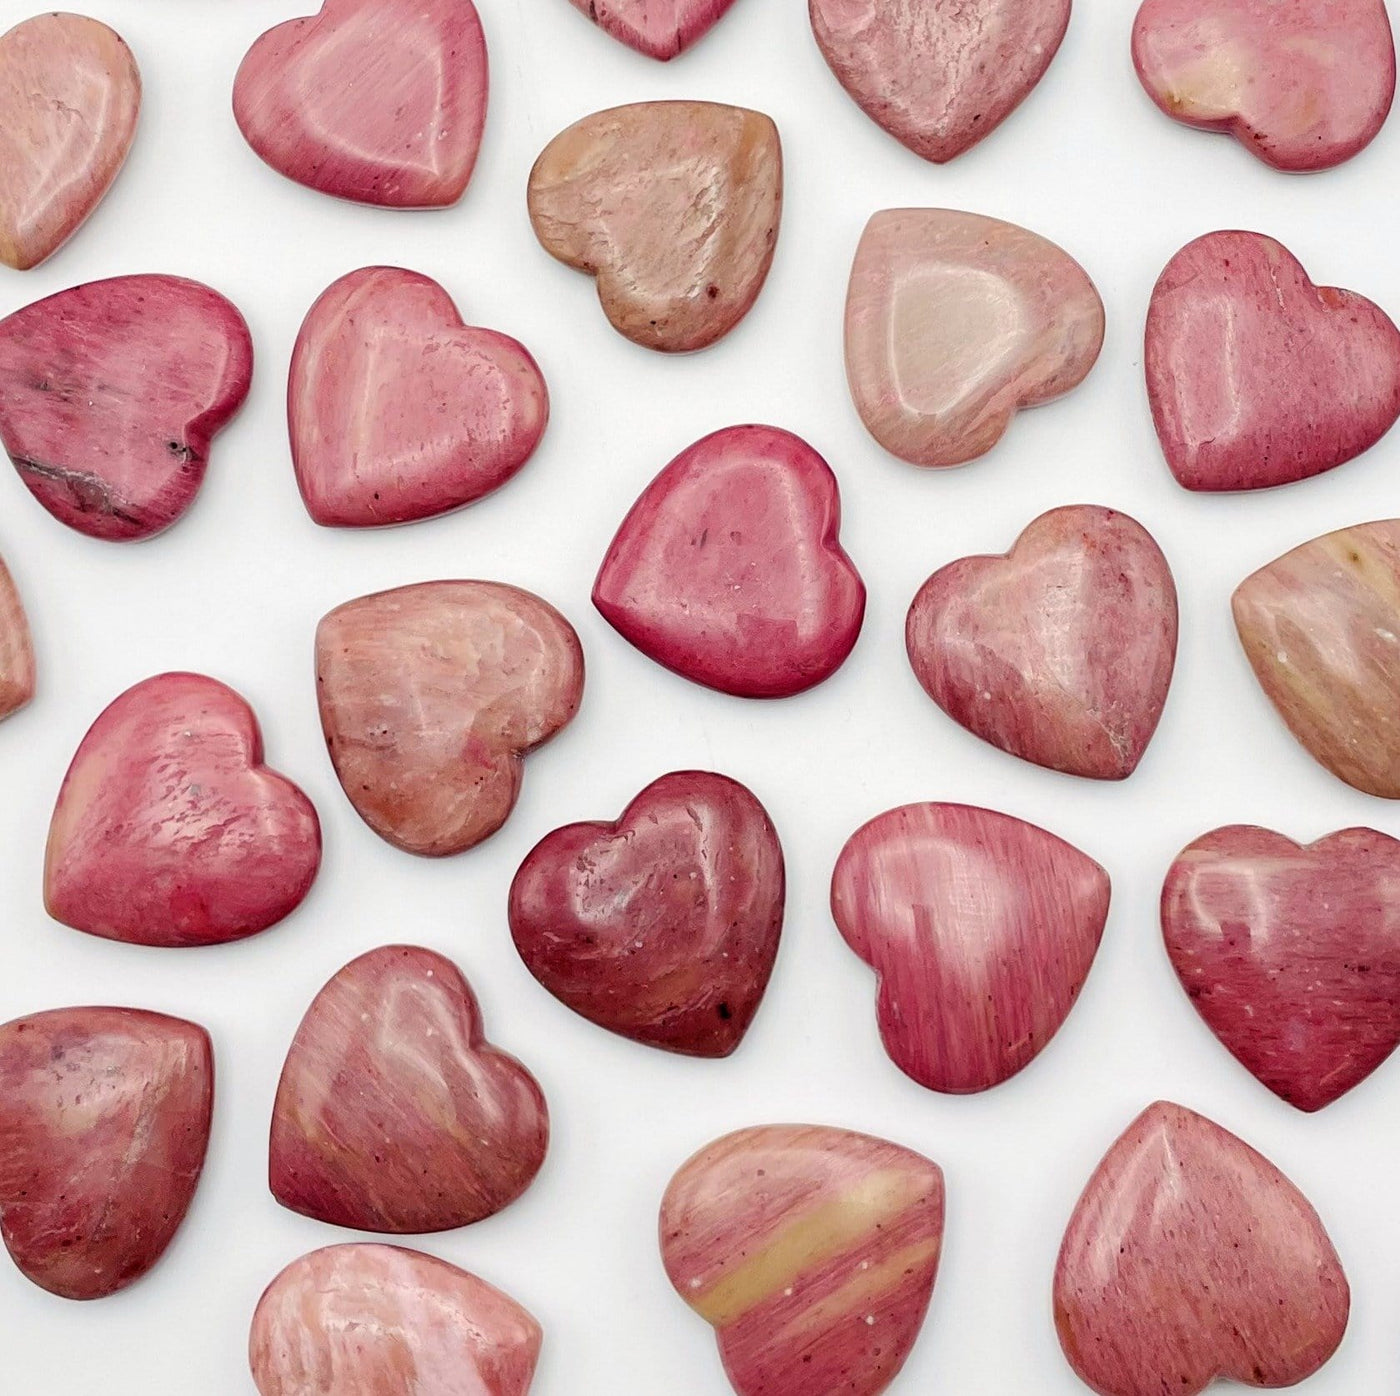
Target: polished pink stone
[
  {"x": 104, "y": 1122},
  {"x": 110, "y": 394},
  {"x": 376, "y": 1320},
  {"x": 371, "y": 100},
  {"x": 811, "y": 1251},
  {"x": 981, "y": 930},
  {"x": 1302, "y": 84},
  {"x": 399, "y": 411},
  {"x": 16, "y": 648},
  {"x": 729, "y": 569},
  {"x": 939, "y": 76},
  {"x": 658, "y": 28},
  {"x": 1060, "y": 651},
  {"x": 1191, "y": 1258},
  {"x": 169, "y": 830},
  {"x": 69, "y": 98},
  {"x": 662, "y": 925},
  {"x": 1257, "y": 377},
  {"x": 394, "y": 1113}
]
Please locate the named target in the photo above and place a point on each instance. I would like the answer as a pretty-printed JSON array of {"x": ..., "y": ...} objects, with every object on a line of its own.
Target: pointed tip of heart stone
[
  {"x": 16, "y": 648},
  {"x": 657, "y": 28}
]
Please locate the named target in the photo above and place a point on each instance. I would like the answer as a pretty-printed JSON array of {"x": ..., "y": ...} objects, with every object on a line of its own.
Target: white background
[{"x": 235, "y": 590}]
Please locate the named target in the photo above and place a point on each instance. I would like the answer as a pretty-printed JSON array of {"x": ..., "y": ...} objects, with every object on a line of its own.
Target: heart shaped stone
[
  {"x": 939, "y": 77},
  {"x": 431, "y": 695},
  {"x": 663, "y": 925},
  {"x": 16, "y": 648},
  {"x": 1321, "y": 629},
  {"x": 384, "y": 1321},
  {"x": 954, "y": 322},
  {"x": 110, "y": 394},
  {"x": 981, "y": 930},
  {"x": 729, "y": 569},
  {"x": 1060, "y": 651},
  {"x": 811, "y": 1251},
  {"x": 658, "y": 28},
  {"x": 69, "y": 98},
  {"x": 1291, "y": 953},
  {"x": 393, "y": 1112},
  {"x": 104, "y": 1122},
  {"x": 673, "y": 206},
  {"x": 1191, "y": 1258},
  {"x": 1302, "y": 84},
  {"x": 1256, "y": 377},
  {"x": 399, "y": 411},
  {"x": 370, "y": 100}
]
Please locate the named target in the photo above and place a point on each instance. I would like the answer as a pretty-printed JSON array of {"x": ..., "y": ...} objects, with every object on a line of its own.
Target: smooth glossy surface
[
  {"x": 729, "y": 568},
  {"x": 662, "y": 925},
  {"x": 1060, "y": 651},
  {"x": 811, "y": 1251},
  {"x": 1255, "y": 376},
  {"x": 1189, "y": 1258},
  {"x": 104, "y": 1122},
  {"x": 372, "y": 100},
  {"x": 397, "y": 410},
  {"x": 658, "y": 28},
  {"x": 981, "y": 930},
  {"x": 393, "y": 1112},
  {"x": 16, "y": 648},
  {"x": 673, "y": 206}
]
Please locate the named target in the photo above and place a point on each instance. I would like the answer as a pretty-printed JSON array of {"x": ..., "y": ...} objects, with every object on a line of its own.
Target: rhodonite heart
[
  {"x": 431, "y": 696},
  {"x": 397, "y": 410},
  {"x": 370, "y": 100},
  {"x": 110, "y": 394},
  {"x": 1060, "y": 651},
  {"x": 658, "y": 28},
  {"x": 393, "y": 1112},
  {"x": 729, "y": 569},
  {"x": 663, "y": 925},
  {"x": 16, "y": 648},
  {"x": 1255, "y": 376},
  {"x": 1191, "y": 1258},
  {"x": 104, "y": 1122},
  {"x": 170, "y": 830},
  {"x": 1291, "y": 953},
  {"x": 811, "y": 1251},
  {"x": 981, "y": 930}
]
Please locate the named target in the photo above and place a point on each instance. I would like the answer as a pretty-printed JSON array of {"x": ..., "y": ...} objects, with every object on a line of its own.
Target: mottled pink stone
[
  {"x": 981, "y": 930},
  {"x": 371, "y": 100},
  {"x": 662, "y": 925},
  {"x": 729, "y": 569},
  {"x": 110, "y": 394},
  {"x": 170, "y": 830},
  {"x": 16, "y": 648},
  {"x": 658, "y": 28},
  {"x": 1191, "y": 1258},
  {"x": 1255, "y": 376},
  {"x": 1302, "y": 84},
  {"x": 1060, "y": 651},
  {"x": 811, "y": 1251},
  {"x": 104, "y": 1122}
]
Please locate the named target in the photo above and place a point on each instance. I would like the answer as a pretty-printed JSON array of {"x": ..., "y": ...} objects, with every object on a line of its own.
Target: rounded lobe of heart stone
[
  {"x": 1190, "y": 1257},
  {"x": 1255, "y": 376},
  {"x": 397, "y": 410},
  {"x": 110, "y": 394},
  {"x": 385, "y": 1321},
  {"x": 811, "y": 1251},
  {"x": 70, "y": 94},
  {"x": 1291, "y": 953},
  {"x": 729, "y": 569},
  {"x": 1302, "y": 84},
  {"x": 981, "y": 930},
  {"x": 394, "y": 1114},
  {"x": 954, "y": 322},
  {"x": 662, "y": 925},
  {"x": 104, "y": 1122},
  {"x": 673, "y": 206},
  {"x": 370, "y": 100},
  {"x": 1321, "y": 629},
  {"x": 431, "y": 696},
  {"x": 939, "y": 77},
  {"x": 1060, "y": 651},
  {"x": 16, "y": 648},
  {"x": 658, "y": 28},
  {"x": 169, "y": 829}
]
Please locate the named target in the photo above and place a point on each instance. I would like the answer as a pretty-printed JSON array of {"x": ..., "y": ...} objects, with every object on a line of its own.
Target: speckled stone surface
[
  {"x": 16, "y": 648},
  {"x": 658, "y": 28}
]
